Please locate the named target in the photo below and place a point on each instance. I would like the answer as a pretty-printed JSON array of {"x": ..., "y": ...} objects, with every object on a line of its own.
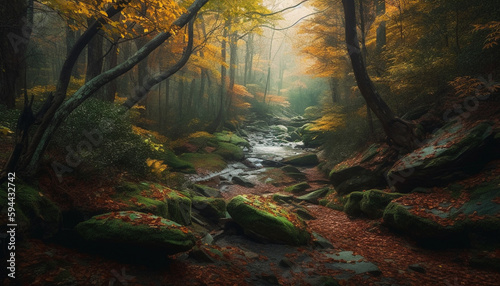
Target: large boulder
[
  {"x": 449, "y": 214},
  {"x": 230, "y": 137},
  {"x": 230, "y": 152},
  {"x": 307, "y": 159},
  {"x": 370, "y": 203},
  {"x": 136, "y": 230},
  {"x": 453, "y": 152},
  {"x": 263, "y": 219},
  {"x": 311, "y": 137},
  {"x": 153, "y": 198},
  {"x": 364, "y": 171}
]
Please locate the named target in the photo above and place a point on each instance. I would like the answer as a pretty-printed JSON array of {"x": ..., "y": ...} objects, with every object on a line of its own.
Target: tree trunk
[
  {"x": 400, "y": 132},
  {"x": 59, "y": 109},
  {"x": 112, "y": 87},
  {"x": 16, "y": 18}
]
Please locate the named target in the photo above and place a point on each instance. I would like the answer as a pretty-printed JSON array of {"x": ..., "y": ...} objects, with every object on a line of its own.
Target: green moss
[
  {"x": 207, "y": 162},
  {"x": 297, "y": 188},
  {"x": 352, "y": 206},
  {"x": 120, "y": 228},
  {"x": 175, "y": 163},
  {"x": 271, "y": 226},
  {"x": 179, "y": 208},
  {"x": 230, "y": 152},
  {"x": 230, "y": 137},
  {"x": 374, "y": 202},
  {"x": 398, "y": 217}
]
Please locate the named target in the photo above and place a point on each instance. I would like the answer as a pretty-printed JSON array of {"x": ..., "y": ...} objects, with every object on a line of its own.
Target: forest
[{"x": 258, "y": 142}]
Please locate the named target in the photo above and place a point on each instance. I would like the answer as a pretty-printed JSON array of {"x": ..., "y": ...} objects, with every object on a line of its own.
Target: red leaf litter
[{"x": 393, "y": 254}]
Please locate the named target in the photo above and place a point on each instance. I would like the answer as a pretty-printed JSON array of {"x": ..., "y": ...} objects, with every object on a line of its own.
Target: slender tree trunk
[
  {"x": 364, "y": 51},
  {"x": 400, "y": 132},
  {"x": 58, "y": 109},
  {"x": 16, "y": 20},
  {"x": 112, "y": 87},
  {"x": 268, "y": 80}
]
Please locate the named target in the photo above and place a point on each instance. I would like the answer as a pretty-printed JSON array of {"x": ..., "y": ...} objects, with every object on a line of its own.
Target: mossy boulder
[
  {"x": 129, "y": 229},
  {"x": 401, "y": 218},
  {"x": 352, "y": 206},
  {"x": 205, "y": 162},
  {"x": 35, "y": 213},
  {"x": 453, "y": 152},
  {"x": 263, "y": 219},
  {"x": 311, "y": 137},
  {"x": 297, "y": 188},
  {"x": 154, "y": 198},
  {"x": 375, "y": 201},
  {"x": 314, "y": 196},
  {"x": 293, "y": 173},
  {"x": 230, "y": 152},
  {"x": 175, "y": 163},
  {"x": 212, "y": 208},
  {"x": 347, "y": 179},
  {"x": 230, "y": 137},
  {"x": 307, "y": 159}
]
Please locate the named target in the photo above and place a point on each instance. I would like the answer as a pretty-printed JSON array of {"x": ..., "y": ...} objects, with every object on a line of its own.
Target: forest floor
[{"x": 240, "y": 260}]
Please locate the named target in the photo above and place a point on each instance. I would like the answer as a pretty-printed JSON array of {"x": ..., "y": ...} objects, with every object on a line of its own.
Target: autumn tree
[
  {"x": 26, "y": 155},
  {"x": 399, "y": 131}
]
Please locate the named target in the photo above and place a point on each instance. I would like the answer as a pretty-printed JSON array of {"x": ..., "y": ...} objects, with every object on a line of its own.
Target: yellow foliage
[
  {"x": 157, "y": 167},
  {"x": 5, "y": 131},
  {"x": 149, "y": 134}
]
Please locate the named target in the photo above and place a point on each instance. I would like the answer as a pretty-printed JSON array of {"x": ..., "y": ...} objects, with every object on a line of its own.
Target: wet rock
[
  {"x": 242, "y": 182},
  {"x": 354, "y": 263},
  {"x": 307, "y": 159},
  {"x": 286, "y": 263},
  {"x": 293, "y": 173},
  {"x": 356, "y": 178},
  {"x": 230, "y": 137},
  {"x": 297, "y": 188},
  {"x": 321, "y": 242},
  {"x": 278, "y": 129},
  {"x": 206, "y": 191},
  {"x": 314, "y": 196},
  {"x": 452, "y": 153},
  {"x": 129, "y": 230},
  {"x": 206, "y": 162},
  {"x": 270, "y": 163}
]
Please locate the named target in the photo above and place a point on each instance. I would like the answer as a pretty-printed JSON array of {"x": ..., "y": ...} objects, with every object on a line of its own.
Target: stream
[{"x": 266, "y": 150}]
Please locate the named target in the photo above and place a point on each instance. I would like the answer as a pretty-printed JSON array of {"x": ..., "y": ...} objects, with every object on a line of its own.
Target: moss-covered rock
[
  {"x": 261, "y": 218},
  {"x": 230, "y": 152},
  {"x": 205, "y": 162},
  {"x": 374, "y": 202},
  {"x": 310, "y": 137},
  {"x": 314, "y": 196},
  {"x": 213, "y": 208},
  {"x": 347, "y": 179},
  {"x": 352, "y": 206},
  {"x": 136, "y": 230},
  {"x": 293, "y": 173},
  {"x": 400, "y": 218},
  {"x": 230, "y": 137},
  {"x": 175, "y": 163},
  {"x": 35, "y": 213},
  {"x": 453, "y": 152},
  {"x": 297, "y": 188},
  {"x": 154, "y": 198},
  {"x": 307, "y": 159}
]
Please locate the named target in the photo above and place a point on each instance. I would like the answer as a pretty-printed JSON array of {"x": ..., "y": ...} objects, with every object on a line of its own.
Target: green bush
[{"x": 100, "y": 134}]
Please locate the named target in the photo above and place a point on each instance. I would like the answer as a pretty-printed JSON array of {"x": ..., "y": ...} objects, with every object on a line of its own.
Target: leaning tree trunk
[
  {"x": 399, "y": 131},
  {"x": 59, "y": 110}
]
